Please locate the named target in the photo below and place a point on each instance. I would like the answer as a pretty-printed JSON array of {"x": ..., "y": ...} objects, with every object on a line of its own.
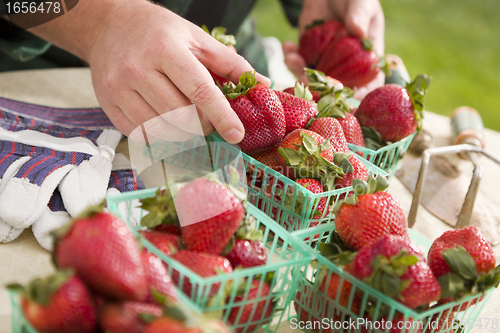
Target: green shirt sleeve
[{"x": 292, "y": 10}]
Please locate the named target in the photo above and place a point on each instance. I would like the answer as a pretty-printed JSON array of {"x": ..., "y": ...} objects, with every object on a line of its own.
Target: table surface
[{"x": 23, "y": 259}]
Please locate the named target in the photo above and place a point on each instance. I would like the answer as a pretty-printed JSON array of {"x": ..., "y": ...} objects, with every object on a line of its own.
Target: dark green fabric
[{"x": 23, "y": 46}]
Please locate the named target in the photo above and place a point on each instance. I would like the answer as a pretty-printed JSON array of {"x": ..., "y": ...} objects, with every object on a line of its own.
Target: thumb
[{"x": 358, "y": 16}]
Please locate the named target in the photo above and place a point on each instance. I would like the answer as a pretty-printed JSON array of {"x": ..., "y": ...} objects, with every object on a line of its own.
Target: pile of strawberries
[
  {"x": 371, "y": 243},
  {"x": 107, "y": 281}
]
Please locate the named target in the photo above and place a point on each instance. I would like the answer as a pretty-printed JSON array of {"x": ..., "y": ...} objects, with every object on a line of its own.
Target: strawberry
[
  {"x": 273, "y": 159},
  {"x": 321, "y": 85},
  {"x": 359, "y": 172},
  {"x": 352, "y": 129},
  {"x": 297, "y": 107},
  {"x": 104, "y": 254},
  {"x": 203, "y": 264},
  {"x": 393, "y": 111},
  {"x": 464, "y": 263},
  {"x": 311, "y": 156},
  {"x": 255, "y": 312},
  {"x": 369, "y": 214},
  {"x": 316, "y": 38},
  {"x": 210, "y": 214},
  {"x": 247, "y": 253},
  {"x": 248, "y": 250},
  {"x": 219, "y": 33},
  {"x": 260, "y": 111},
  {"x": 350, "y": 60},
  {"x": 125, "y": 317},
  {"x": 166, "y": 243},
  {"x": 157, "y": 276},
  {"x": 394, "y": 266},
  {"x": 162, "y": 215},
  {"x": 330, "y": 128},
  {"x": 59, "y": 303},
  {"x": 315, "y": 186}
]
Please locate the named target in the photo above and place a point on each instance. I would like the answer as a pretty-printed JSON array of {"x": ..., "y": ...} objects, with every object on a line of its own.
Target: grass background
[{"x": 457, "y": 42}]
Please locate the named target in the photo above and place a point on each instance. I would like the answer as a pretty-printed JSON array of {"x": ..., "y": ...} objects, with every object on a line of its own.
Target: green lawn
[{"x": 457, "y": 42}]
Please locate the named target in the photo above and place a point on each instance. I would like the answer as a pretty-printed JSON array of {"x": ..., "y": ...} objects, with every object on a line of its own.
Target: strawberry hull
[
  {"x": 311, "y": 302},
  {"x": 285, "y": 255}
]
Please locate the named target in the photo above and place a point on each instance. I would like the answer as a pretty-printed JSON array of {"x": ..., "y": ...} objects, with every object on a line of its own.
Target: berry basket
[
  {"x": 344, "y": 312},
  {"x": 297, "y": 209},
  {"x": 388, "y": 157},
  {"x": 285, "y": 255},
  {"x": 21, "y": 325}
]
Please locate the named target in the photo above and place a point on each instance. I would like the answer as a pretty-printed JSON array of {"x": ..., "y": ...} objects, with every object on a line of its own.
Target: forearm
[{"x": 77, "y": 30}]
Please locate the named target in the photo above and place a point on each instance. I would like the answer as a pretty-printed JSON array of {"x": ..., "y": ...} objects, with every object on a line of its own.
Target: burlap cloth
[{"x": 23, "y": 259}]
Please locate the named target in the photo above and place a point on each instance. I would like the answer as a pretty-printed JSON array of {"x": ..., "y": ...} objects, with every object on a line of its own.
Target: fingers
[
  {"x": 200, "y": 89},
  {"x": 294, "y": 61},
  {"x": 221, "y": 60},
  {"x": 365, "y": 18}
]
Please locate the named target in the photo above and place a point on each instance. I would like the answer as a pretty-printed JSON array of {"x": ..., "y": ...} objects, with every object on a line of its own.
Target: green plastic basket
[
  {"x": 285, "y": 255},
  {"x": 388, "y": 157},
  {"x": 21, "y": 325},
  {"x": 309, "y": 301},
  {"x": 264, "y": 185}
]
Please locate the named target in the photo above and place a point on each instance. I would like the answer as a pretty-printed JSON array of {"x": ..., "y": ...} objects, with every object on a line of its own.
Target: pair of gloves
[{"x": 54, "y": 163}]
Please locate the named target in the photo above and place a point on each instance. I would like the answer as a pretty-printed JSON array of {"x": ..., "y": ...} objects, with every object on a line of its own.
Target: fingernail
[{"x": 233, "y": 135}]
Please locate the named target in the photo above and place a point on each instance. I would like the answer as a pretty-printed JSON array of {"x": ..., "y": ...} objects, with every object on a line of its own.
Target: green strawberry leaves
[
  {"x": 463, "y": 280},
  {"x": 161, "y": 210},
  {"x": 247, "y": 82},
  {"x": 336, "y": 251},
  {"x": 40, "y": 290},
  {"x": 219, "y": 33},
  {"x": 417, "y": 89},
  {"x": 302, "y": 91},
  {"x": 361, "y": 187}
]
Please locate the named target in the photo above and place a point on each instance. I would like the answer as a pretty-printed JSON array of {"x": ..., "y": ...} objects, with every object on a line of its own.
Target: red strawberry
[
  {"x": 257, "y": 308},
  {"x": 260, "y": 111},
  {"x": 161, "y": 213},
  {"x": 272, "y": 159},
  {"x": 297, "y": 107},
  {"x": 359, "y": 172},
  {"x": 166, "y": 243},
  {"x": 158, "y": 278},
  {"x": 334, "y": 285},
  {"x": 330, "y": 128},
  {"x": 464, "y": 263},
  {"x": 352, "y": 129},
  {"x": 394, "y": 266},
  {"x": 296, "y": 138},
  {"x": 203, "y": 264},
  {"x": 210, "y": 214},
  {"x": 350, "y": 60},
  {"x": 315, "y": 186},
  {"x": 393, "y": 111},
  {"x": 369, "y": 215},
  {"x": 125, "y": 317},
  {"x": 60, "y": 303},
  {"x": 316, "y": 38},
  {"x": 247, "y": 253},
  {"x": 104, "y": 254}
]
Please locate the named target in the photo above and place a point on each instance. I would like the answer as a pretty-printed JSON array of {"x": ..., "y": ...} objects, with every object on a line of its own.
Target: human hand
[
  {"x": 145, "y": 68},
  {"x": 361, "y": 18}
]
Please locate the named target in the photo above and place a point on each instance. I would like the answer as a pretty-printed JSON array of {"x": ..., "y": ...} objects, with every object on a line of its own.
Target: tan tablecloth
[{"x": 23, "y": 259}]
